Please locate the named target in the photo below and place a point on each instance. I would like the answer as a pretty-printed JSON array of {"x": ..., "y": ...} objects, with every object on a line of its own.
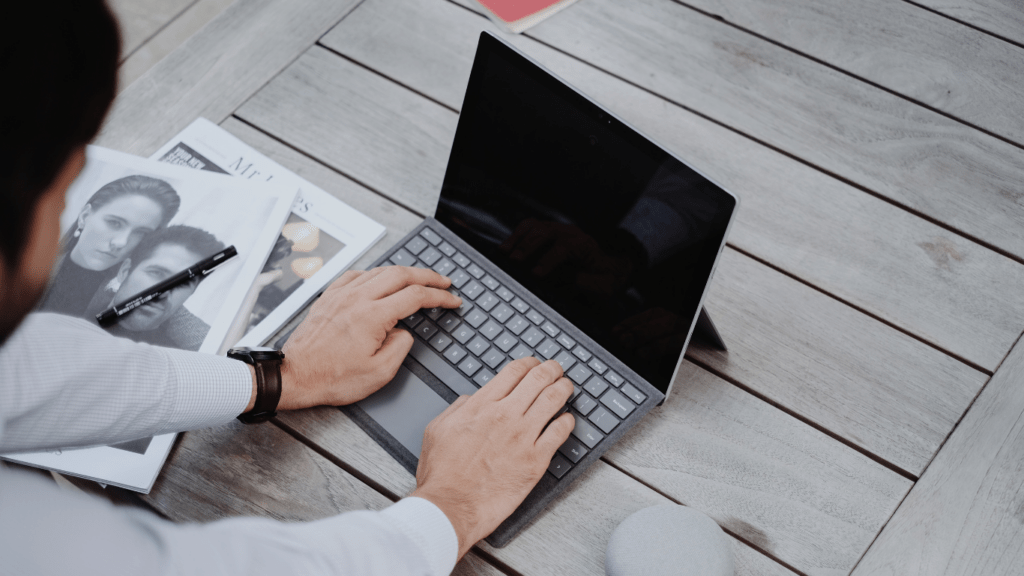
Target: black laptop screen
[{"x": 604, "y": 226}]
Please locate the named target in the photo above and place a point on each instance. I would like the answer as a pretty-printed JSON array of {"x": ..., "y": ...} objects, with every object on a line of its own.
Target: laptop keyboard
[{"x": 467, "y": 346}]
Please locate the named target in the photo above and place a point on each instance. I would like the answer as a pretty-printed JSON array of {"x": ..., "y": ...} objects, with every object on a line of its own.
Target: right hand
[{"x": 485, "y": 452}]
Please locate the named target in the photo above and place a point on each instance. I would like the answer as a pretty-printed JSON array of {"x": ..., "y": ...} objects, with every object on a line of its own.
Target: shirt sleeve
[
  {"x": 45, "y": 530},
  {"x": 67, "y": 383}
]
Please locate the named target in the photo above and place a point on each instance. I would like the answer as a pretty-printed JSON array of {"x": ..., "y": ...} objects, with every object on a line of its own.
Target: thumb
[{"x": 395, "y": 348}]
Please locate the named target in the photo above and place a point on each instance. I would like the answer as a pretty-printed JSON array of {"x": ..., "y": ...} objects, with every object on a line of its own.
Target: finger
[
  {"x": 556, "y": 434},
  {"x": 392, "y": 351},
  {"x": 345, "y": 279},
  {"x": 413, "y": 298},
  {"x": 506, "y": 381},
  {"x": 539, "y": 378},
  {"x": 550, "y": 400},
  {"x": 382, "y": 282}
]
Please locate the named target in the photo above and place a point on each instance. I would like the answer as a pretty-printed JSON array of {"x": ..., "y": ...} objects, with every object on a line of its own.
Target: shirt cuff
[
  {"x": 430, "y": 529},
  {"x": 210, "y": 390}
]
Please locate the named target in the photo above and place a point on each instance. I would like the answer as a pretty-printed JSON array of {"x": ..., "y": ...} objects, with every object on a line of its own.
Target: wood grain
[
  {"x": 332, "y": 109},
  {"x": 924, "y": 56},
  {"x": 216, "y": 70},
  {"x": 139, "y": 20},
  {"x": 966, "y": 514},
  {"x": 1004, "y": 18},
  {"x": 568, "y": 538},
  {"x": 918, "y": 158}
]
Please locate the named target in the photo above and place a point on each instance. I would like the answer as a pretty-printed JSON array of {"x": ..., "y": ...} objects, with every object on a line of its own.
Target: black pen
[{"x": 201, "y": 268}]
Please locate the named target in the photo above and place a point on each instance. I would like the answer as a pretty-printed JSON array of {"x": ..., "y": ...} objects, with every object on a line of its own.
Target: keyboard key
[
  {"x": 416, "y": 245},
  {"x": 466, "y": 307},
  {"x": 475, "y": 271},
  {"x": 461, "y": 260},
  {"x": 522, "y": 306},
  {"x": 566, "y": 342},
  {"x": 584, "y": 404},
  {"x": 462, "y": 334},
  {"x": 455, "y": 353},
  {"x": 444, "y": 267},
  {"x": 565, "y": 359},
  {"x": 604, "y": 419},
  {"x": 473, "y": 289},
  {"x": 413, "y": 319},
  {"x": 478, "y": 346},
  {"x": 504, "y": 293},
  {"x": 597, "y": 366},
  {"x": 614, "y": 378},
  {"x": 551, "y": 329},
  {"x": 502, "y": 312},
  {"x": 491, "y": 329},
  {"x": 483, "y": 376},
  {"x": 431, "y": 236},
  {"x": 436, "y": 365},
  {"x": 426, "y": 330},
  {"x": 517, "y": 325},
  {"x": 587, "y": 433},
  {"x": 573, "y": 449},
  {"x": 521, "y": 351},
  {"x": 449, "y": 322},
  {"x": 435, "y": 313},
  {"x": 487, "y": 301},
  {"x": 548, "y": 349},
  {"x": 533, "y": 337},
  {"x": 506, "y": 341},
  {"x": 534, "y": 317},
  {"x": 559, "y": 466},
  {"x": 476, "y": 317},
  {"x": 447, "y": 249},
  {"x": 617, "y": 403},
  {"x": 576, "y": 390},
  {"x": 596, "y": 386},
  {"x": 430, "y": 256},
  {"x": 440, "y": 341},
  {"x": 459, "y": 278},
  {"x": 580, "y": 374},
  {"x": 581, "y": 353},
  {"x": 633, "y": 394},
  {"x": 493, "y": 357},
  {"x": 491, "y": 283},
  {"x": 403, "y": 258},
  {"x": 470, "y": 365}
]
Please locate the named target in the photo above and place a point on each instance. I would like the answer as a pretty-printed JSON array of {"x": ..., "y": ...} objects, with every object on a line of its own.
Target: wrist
[
  {"x": 457, "y": 515},
  {"x": 252, "y": 396}
]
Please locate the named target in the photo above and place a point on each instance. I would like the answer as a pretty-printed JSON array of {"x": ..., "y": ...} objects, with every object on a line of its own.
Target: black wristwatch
[{"x": 267, "y": 364}]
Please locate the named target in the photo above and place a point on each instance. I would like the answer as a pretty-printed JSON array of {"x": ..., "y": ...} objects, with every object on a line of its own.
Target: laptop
[{"x": 569, "y": 235}]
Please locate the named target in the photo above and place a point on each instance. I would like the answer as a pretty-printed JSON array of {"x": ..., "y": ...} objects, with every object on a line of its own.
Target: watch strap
[{"x": 268, "y": 384}]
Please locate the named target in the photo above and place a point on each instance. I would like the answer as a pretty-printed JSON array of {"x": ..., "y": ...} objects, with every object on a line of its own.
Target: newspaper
[
  {"x": 322, "y": 238},
  {"x": 130, "y": 223}
]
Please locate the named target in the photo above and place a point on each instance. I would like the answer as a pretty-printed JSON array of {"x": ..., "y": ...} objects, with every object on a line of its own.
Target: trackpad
[{"x": 404, "y": 407}]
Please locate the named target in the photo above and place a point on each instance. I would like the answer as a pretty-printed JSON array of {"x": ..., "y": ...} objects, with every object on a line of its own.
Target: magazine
[
  {"x": 130, "y": 223},
  {"x": 322, "y": 238}
]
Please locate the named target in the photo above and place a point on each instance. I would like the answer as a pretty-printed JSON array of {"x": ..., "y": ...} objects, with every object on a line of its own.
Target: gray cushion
[{"x": 668, "y": 539}]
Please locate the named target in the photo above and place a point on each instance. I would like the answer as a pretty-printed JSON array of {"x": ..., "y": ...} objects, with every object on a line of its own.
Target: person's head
[
  {"x": 62, "y": 58},
  {"x": 117, "y": 217},
  {"x": 158, "y": 257}
]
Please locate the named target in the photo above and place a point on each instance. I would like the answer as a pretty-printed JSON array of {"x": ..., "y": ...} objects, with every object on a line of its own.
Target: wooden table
[{"x": 869, "y": 416}]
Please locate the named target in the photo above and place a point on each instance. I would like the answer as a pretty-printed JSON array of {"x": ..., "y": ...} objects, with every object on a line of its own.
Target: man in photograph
[{"x": 163, "y": 321}]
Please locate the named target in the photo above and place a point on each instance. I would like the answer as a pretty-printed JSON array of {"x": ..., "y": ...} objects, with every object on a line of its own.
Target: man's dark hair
[
  {"x": 59, "y": 61},
  {"x": 195, "y": 240}
]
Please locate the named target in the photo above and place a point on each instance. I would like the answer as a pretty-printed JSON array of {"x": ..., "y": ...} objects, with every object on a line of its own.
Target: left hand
[{"x": 348, "y": 346}]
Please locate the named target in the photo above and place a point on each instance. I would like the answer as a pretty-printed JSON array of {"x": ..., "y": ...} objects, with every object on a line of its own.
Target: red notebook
[{"x": 518, "y": 15}]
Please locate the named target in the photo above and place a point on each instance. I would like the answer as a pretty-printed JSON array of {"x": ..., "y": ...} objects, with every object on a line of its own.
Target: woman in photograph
[{"x": 116, "y": 218}]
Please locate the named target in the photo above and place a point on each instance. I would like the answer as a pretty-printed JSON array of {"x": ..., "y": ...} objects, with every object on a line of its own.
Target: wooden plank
[
  {"x": 167, "y": 39},
  {"x": 918, "y": 158},
  {"x": 239, "y": 470},
  {"x": 331, "y": 109},
  {"x": 966, "y": 514},
  {"x": 1004, "y": 18},
  {"x": 568, "y": 538},
  {"x": 917, "y": 53},
  {"x": 216, "y": 70},
  {"x": 141, "y": 19}
]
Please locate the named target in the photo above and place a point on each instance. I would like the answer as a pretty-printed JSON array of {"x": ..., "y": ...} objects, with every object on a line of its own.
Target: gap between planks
[{"x": 966, "y": 23}]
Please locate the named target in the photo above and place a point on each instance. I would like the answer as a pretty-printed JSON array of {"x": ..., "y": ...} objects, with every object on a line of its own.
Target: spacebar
[{"x": 443, "y": 370}]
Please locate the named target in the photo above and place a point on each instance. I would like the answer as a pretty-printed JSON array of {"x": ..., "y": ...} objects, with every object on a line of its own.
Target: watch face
[{"x": 257, "y": 353}]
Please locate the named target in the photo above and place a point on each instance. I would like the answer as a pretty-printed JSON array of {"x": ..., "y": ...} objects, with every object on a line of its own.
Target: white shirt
[{"x": 66, "y": 383}]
